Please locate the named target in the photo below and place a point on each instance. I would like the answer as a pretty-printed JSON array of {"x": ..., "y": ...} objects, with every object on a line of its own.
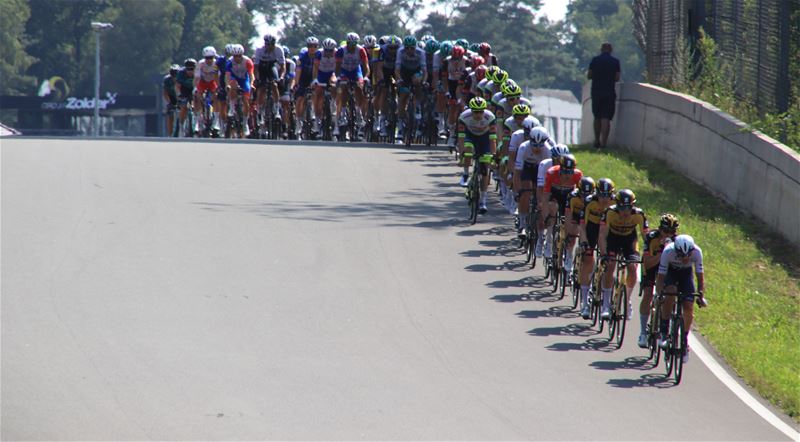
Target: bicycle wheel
[
  {"x": 622, "y": 315},
  {"x": 475, "y": 196},
  {"x": 680, "y": 349},
  {"x": 669, "y": 356}
]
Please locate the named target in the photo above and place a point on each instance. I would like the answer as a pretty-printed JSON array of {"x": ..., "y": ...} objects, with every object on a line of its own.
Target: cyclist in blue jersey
[{"x": 303, "y": 75}]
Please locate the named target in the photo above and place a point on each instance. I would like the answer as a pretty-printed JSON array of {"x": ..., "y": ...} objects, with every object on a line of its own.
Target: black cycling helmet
[
  {"x": 605, "y": 187},
  {"x": 568, "y": 163},
  {"x": 586, "y": 186},
  {"x": 669, "y": 223},
  {"x": 626, "y": 198},
  {"x": 190, "y": 63}
]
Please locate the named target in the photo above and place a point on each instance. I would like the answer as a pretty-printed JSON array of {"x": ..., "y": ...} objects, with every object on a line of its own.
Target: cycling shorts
[
  {"x": 452, "y": 89},
  {"x": 244, "y": 85},
  {"x": 649, "y": 277},
  {"x": 352, "y": 76},
  {"x": 627, "y": 245},
  {"x": 529, "y": 172},
  {"x": 560, "y": 196},
  {"x": 592, "y": 233},
  {"x": 267, "y": 71},
  {"x": 203, "y": 86},
  {"x": 683, "y": 280},
  {"x": 324, "y": 77}
]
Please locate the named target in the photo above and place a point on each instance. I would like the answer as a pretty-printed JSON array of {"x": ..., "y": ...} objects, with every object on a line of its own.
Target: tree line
[{"x": 40, "y": 39}]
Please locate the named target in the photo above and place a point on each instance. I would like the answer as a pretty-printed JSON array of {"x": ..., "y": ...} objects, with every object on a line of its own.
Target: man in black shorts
[{"x": 604, "y": 71}]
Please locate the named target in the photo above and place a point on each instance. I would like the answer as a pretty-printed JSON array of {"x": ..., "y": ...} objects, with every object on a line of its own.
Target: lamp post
[{"x": 97, "y": 27}]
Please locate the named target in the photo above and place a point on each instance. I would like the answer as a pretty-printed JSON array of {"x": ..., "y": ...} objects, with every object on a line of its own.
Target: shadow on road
[{"x": 645, "y": 380}]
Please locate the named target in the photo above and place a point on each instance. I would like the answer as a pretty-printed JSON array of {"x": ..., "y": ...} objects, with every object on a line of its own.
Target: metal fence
[{"x": 753, "y": 38}]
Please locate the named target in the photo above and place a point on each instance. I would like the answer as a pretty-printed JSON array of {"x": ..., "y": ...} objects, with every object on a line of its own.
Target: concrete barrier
[{"x": 748, "y": 169}]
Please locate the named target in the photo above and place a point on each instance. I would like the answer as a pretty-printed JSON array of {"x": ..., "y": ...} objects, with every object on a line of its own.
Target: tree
[
  {"x": 215, "y": 23},
  {"x": 13, "y": 43}
]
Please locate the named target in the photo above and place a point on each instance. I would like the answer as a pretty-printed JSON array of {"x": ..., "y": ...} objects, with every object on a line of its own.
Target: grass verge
[{"x": 752, "y": 275}]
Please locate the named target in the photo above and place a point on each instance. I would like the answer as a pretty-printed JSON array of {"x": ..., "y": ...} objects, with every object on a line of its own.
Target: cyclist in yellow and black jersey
[
  {"x": 618, "y": 235},
  {"x": 576, "y": 203},
  {"x": 654, "y": 243},
  {"x": 590, "y": 217}
]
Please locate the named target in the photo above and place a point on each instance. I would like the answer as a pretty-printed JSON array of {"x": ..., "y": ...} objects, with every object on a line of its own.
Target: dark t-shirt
[{"x": 604, "y": 68}]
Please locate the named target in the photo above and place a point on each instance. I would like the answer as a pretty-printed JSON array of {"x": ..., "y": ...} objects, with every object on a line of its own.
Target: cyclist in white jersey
[
  {"x": 526, "y": 166},
  {"x": 270, "y": 64},
  {"x": 675, "y": 276},
  {"x": 477, "y": 137}
]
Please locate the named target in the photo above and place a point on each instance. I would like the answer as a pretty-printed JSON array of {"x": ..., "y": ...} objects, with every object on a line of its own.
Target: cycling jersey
[
  {"x": 207, "y": 72},
  {"x": 454, "y": 67},
  {"x": 410, "y": 62},
  {"x": 351, "y": 61},
  {"x": 497, "y": 97},
  {"x": 517, "y": 138},
  {"x": 576, "y": 202},
  {"x": 655, "y": 242},
  {"x": 478, "y": 126},
  {"x": 508, "y": 107},
  {"x": 526, "y": 155},
  {"x": 670, "y": 260},
  {"x": 267, "y": 56},
  {"x": 374, "y": 54},
  {"x": 290, "y": 66},
  {"x": 554, "y": 180},
  {"x": 169, "y": 87},
  {"x": 593, "y": 211},
  {"x": 437, "y": 61},
  {"x": 482, "y": 84},
  {"x": 327, "y": 61},
  {"x": 186, "y": 82},
  {"x": 624, "y": 227},
  {"x": 241, "y": 71},
  {"x": 388, "y": 56},
  {"x": 306, "y": 64},
  {"x": 512, "y": 126}
]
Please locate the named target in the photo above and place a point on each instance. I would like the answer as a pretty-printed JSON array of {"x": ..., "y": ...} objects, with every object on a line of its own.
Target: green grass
[{"x": 752, "y": 275}]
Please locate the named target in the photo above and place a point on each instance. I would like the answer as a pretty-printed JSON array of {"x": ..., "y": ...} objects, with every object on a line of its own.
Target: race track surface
[{"x": 178, "y": 290}]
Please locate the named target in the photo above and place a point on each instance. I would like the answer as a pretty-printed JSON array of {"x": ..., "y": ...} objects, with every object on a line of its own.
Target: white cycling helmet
[
  {"x": 229, "y": 48},
  {"x": 529, "y": 123},
  {"x": 558, "y": 151},
  {"x": 209, "y": 51},
  {"x": 539, "y": 135},
  {"x": 237, "y": 50},
  {"x": 270, "y": 39},
  {"x": 353, "y": 38},
  {"x": 312, "y": 41},
  {"x": 370, "y": 41},
  {"x": 329, "y": 43},
  {"x": 684, "y": 244}
]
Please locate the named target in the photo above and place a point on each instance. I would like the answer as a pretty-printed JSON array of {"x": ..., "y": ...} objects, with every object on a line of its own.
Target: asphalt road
[{"x": 156, "y": 290}]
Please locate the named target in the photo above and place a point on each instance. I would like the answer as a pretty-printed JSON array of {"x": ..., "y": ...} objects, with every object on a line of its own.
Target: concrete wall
[{"x": 749, "y": 170}]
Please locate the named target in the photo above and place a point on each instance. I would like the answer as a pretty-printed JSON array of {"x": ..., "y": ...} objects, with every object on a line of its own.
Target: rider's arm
[
  {"x": 601, "y": 237},
  {"x": 315, "y": 70},
  {"x": 365, "y": 62},
  {"x": 250, "y": 69},
  {"x": 461, "y": 134}
]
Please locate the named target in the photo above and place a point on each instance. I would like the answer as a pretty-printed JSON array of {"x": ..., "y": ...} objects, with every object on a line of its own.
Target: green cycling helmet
[
  {"x": 445, "y": 48},
  {"x": 500, "y": 77},
  {"x": 511, "y": 89},
  {"x": 431, "y": 46},
  {"x": 521, "y": 109},
  {"x": 410, "y": 41},
  {"x": 474, "y": 47},
  {"x": 477, "y": 104},
  {"x": 491, "y": 71},
  {"x": 463, "y": 42}
]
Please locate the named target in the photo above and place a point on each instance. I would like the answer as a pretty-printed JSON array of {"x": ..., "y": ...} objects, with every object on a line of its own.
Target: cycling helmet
[
  {"x": 510, "y": 89},
  {"x": 174, "y": 69},
  {"x": 477, "y": 61},
  {"x": 539, "y": 135},
  {"x": 490, "y": 73},
  {"x": 209, "y": 51},
  {"x": 426, "y": 38},
  {"x": 484, "y": 49},
  {"x": 684, "y": 244},
  {"x": 270, "y": 39},
  {"x": 669, "y": 222},
  {"x": 626, "y": 198},
  {"x": 605, "y": 187},
  {"x": 474, "y": 47},
  {"x": 409, "y": 41},
  {"x": 477, "y": 104},
  {"x": 394, "y": 41},
  {"x": 229, "y": 49},
  {"x": 529, "y": 122},
  {"x": 521, "y": 109},
  {"x": 352, "y": 39},
  {"x": 568, "y": 163},
  {"x": 189, "y": 63},
  {"x": 431, "y": 46},
  {"x": 329, "y": 44},
  {"x": 383, "y": 40},
  {"x": 312, "y": 41},
  {"x": 370, "y": 41},
  {"x": 457, "y": 52},
  {"x": 558, "y": 152},
  {"x": 463, "y": 42},
  {"x": 446, "y": 48},
  {"x": 500, "y": 77},
  {"x": 586, "y": 186},
  {"x": 287, "y": 53},
  {"x": 238, "y": 49}
]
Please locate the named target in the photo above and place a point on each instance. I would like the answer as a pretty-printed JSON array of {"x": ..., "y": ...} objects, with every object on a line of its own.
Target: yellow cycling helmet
[
  {"x": 511, "y": 89},
  {"x": 500, "y": 77},
  {"x": 477, "y": 104},
  {"x": 493, "y": 69},
  {"x": 521, "y": 109}
]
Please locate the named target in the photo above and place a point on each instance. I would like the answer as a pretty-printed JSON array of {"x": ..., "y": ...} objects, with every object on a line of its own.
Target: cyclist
[
  {"x": 221, "y": 104},
  {"x": 304, "y": 75},
  {"x": 594, "y": 208},
  {"x": 618, "y": 235},
  {"x": 454, "y": 65},
  {"x": 352, "y": 65},
  {"x": 675, "y": 276},
  {"x": 324, "y": 75},
  {"x": 477, "y": 75},
  {"x": 485, "y": 51},
  {"x": 476, "y": 136},
  {"x": 206, "y": 78},
  {"x": 527, "y": 158},
  {"x": 170, "y": 95},
  {"x": 385, "y": 67},
  {"x": 573, "y": 214},
  {"x": 557, "y": 151},
  {"x": 654, "y": 243},
  {"x": 271, "y": 62},
  {"x": 440, "y": 83},
  {"x": 286, "y": 85},
  {"x": 520, "y": 119},
  {"x": 511, "y": 96},
  {"x": 374, "y": 54},
  {"x": 560, "y": 180},
  {"x": 411, "y": 69},
  {"x": 184, "y": 86},
  {"x": 240, "y": 77}
]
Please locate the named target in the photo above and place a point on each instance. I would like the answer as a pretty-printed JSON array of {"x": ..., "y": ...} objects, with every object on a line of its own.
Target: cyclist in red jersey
[{"x": 559, "y": 182}]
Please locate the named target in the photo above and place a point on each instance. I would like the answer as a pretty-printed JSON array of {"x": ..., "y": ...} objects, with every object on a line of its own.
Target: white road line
[{"x": 699, "y": 350}]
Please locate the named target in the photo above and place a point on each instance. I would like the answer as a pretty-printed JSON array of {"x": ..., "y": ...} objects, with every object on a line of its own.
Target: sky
[{"x": 554, "y": 10}]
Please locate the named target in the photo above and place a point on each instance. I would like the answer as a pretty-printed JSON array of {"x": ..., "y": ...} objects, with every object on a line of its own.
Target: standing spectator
[
  {"x": 604, "y": 72},
  {"x": 170, "y": 99}
]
